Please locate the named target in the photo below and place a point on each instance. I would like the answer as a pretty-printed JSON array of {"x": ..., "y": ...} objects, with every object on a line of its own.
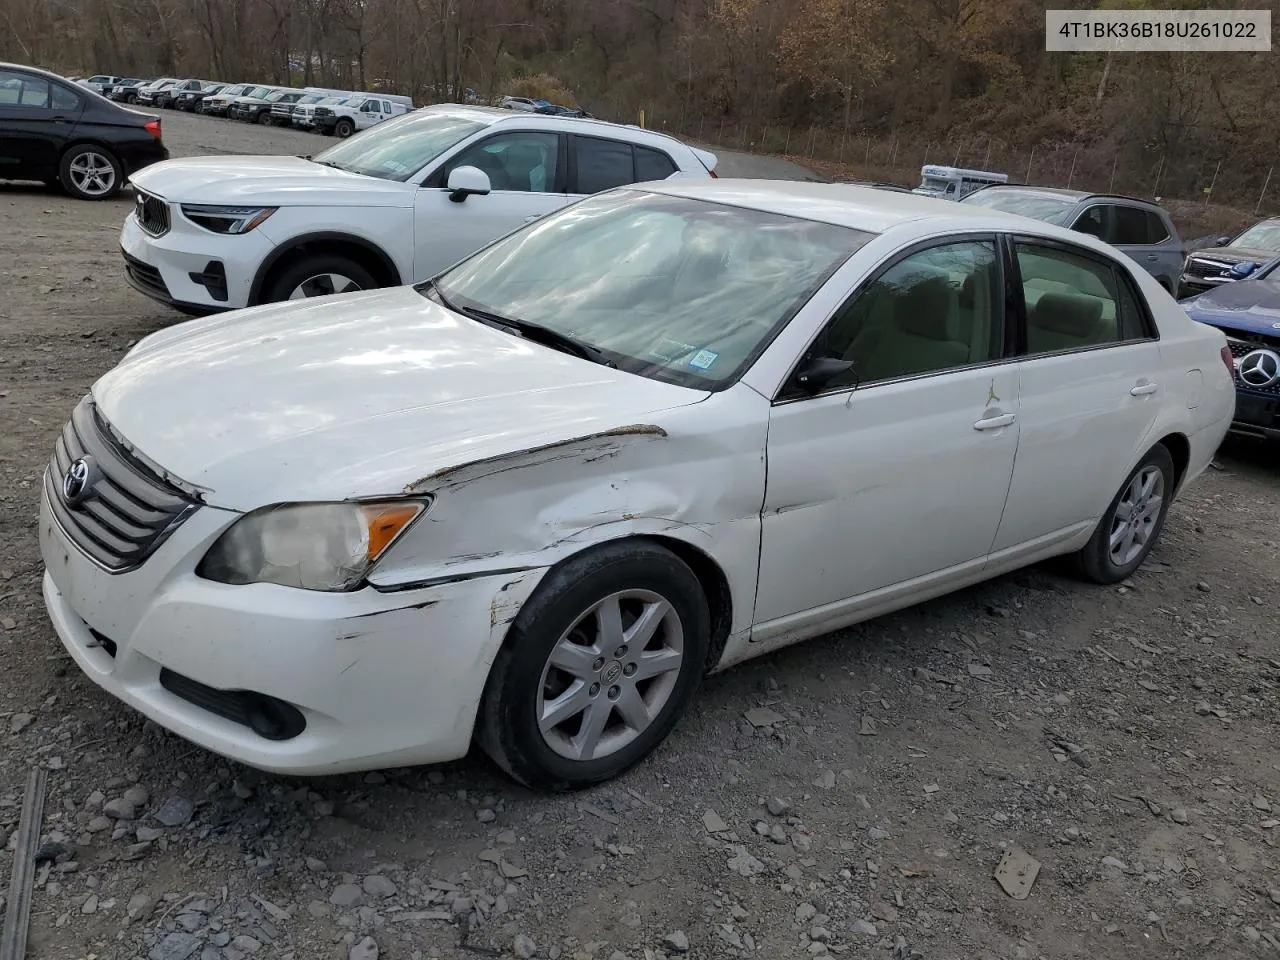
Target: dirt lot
[{"x": 1126, "y": 738}]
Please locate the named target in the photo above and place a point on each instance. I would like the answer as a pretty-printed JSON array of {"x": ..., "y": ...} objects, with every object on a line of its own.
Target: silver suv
[{"x": 1138, "y": 228}]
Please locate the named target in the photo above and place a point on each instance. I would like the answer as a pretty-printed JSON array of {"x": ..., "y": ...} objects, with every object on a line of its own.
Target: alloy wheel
[
  {"x": 93, "y": 174},
  {"x": 610, "y": 675},
  {"x": 1136, "y": 514},
  {"x": 323, "y": 284}
]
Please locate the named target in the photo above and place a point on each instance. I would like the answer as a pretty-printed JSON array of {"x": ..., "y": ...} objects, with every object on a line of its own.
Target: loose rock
[
  {"x": 676, "y": 941},
  {"x": 777, "y": 806},
  {"x": 175, "y": 812},
  {"x": 379, "y": 886},
  {"x": 366, "y": 949},
  {"x": 711, "y": 820},
  {"x": 524, "y": 947},
  {"x": 863, "y": 928}
]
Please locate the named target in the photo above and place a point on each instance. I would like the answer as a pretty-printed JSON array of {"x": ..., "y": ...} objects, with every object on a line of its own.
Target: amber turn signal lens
[{"x": 386, "y": 522}]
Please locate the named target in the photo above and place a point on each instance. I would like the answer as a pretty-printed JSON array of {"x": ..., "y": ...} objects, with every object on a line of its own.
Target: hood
[
  {"x": 272, "y": 181},
  {"x": 1248, "y": 305},
  {"x": 357, "y": 395},
  {"x": 1230, "y": 256}
]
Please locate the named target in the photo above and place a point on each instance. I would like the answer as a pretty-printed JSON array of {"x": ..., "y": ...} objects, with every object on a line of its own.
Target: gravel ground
[{"x": 852, "y": 795}]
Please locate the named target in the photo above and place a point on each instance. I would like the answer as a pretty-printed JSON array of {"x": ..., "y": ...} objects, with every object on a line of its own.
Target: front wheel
[
  {"x": 597, "y": 668},
  {"x": 344, "y": 129},
  {"x": 1132, "y": 524},
  {"x": 264, "y": 118},
  {"x": 319, "y": 277},
  {"x": 90, "y": 172}
]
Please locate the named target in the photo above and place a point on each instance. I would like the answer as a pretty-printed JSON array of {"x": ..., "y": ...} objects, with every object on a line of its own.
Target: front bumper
[
  {"x": 163, "y": 267},
  {"x": 1257, "y": 415},
  {"x": 382, "y": 679}
]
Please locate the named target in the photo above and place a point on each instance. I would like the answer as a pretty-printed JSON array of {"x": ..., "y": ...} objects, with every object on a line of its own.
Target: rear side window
[
  {"x": 1157, "y": 229},
  {"x": 603, "y": 164},
  {"x": 652, "y": 165},
  {"x": 1075, "y": 301},
  {"x": 64, "y": 99},
  {"x": 1130, "y": 227}
]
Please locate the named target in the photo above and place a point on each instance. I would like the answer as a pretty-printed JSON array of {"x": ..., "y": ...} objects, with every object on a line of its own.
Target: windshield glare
[
  {"x": 1037, "y": 206},
  {"x": 680, "y": 290},
  {"x": 1261, "y": 236},
  {"x": 399, "y": 148}
]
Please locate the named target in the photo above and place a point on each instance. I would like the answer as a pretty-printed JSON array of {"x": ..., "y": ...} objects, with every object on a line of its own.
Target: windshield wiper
[
  {"x": 527, "y": 329},
  {"x": 325, "y": 163}
]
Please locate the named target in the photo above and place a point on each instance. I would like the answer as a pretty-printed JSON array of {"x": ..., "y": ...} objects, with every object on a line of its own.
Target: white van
[{"x": 952, "y": 183}]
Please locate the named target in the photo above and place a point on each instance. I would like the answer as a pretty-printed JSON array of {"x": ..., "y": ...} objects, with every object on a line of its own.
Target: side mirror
[
  {"x": 465, "y": 181},
  {"x": 816, "y": 372},
  {"x": 1221, "y": 241}
]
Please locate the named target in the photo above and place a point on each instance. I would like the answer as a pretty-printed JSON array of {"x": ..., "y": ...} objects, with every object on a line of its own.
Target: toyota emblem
[
  {"x": 77, "y": 481},
  {"x": 1261, "y": 368}
]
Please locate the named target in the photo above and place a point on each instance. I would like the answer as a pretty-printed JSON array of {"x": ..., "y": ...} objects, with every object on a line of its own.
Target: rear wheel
[
  {"x": 319, "y": 276},
  {"x": 90, "y": 172},
  {"x": 598, "y": 667},
  {"x": 1132, "y": 524},
  {"x": 344, "y": 128}
]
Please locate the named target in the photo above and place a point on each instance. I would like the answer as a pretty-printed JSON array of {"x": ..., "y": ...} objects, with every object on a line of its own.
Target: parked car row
[{"x": 333, "y": 112}]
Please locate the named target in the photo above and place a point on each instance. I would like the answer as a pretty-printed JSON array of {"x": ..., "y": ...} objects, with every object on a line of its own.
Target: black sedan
[
  {"x": 60, "y": 133},
  {"x": 1248, "y": 312}
]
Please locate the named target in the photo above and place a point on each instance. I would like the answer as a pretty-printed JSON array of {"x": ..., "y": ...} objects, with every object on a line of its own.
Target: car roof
[
  {"x": 48, "y": 74},
  {"x": 1064, "y": 193},
  {"x": 493, "y": 115},
  {"x": 847, "y": 205}
]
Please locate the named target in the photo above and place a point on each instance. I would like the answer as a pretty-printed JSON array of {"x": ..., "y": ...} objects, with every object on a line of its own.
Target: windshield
[
  {"x": 935, "y": 183},
  {"x": 1261, "y": 236},
  {"x": 275, "y": 95},
  {"x": 310, "y": 98},
  {"x": 670, "y": 288},
  {"x": 1037, "y": 206},
  {"x": 399, "y": 148}
]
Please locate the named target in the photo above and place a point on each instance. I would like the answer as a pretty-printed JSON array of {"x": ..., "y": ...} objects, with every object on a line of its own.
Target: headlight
[
  {"x": 226, "y": 219},
  {"x": 313, "y": 546}
]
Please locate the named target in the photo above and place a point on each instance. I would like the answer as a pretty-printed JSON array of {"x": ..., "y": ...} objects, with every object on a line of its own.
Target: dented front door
[{"x": 884, "y": 484}]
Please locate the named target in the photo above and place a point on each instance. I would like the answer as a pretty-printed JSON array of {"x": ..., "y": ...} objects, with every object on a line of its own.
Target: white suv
[{"x": 395, "y": 204}]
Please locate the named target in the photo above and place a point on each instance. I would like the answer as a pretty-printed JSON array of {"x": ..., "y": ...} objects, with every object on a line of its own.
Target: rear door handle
[
  {"x": 536, "y": 216},
  {"x": 1142, "y": 389},
  {"x": 995, "y": 423},
  {"x": 1152, "y": 257}
]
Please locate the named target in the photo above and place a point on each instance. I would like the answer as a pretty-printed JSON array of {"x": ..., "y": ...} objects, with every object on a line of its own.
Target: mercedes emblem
[{"x": 1261, "y": 368}]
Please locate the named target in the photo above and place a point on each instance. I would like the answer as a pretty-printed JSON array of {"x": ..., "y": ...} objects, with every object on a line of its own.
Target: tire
[
  {"x": 264, "y": 118},
  {"x": 286, "y": 283},
  {"x": 344, "y": 128},
  {"x": 90, "y": 172},
  {"x": 638, "y": 578},
  {"x": 1097, "y": 561}
]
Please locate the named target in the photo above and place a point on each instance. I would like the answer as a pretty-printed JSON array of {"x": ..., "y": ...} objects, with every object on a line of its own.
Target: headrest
[
  {"x": 928, "y": 309},
  {"x": 1078, "y": 316}
]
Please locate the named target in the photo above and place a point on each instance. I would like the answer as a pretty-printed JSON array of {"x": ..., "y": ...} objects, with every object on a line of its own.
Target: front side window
[
  {"x": 934, "y": 310},
  {"x": 1075, "y": 301},
  {"x": 1093, "y": 221},
  {"x": 679, "y": 290},
  {"x": 399, "y": 148},
  {"x": 521, "y": 160}
]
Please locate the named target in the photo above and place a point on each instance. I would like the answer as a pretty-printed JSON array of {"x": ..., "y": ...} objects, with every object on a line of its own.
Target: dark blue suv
[{"x": 1248, "y": 312}]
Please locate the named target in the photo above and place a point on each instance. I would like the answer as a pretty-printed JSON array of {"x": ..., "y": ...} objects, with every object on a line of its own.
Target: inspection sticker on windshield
[{"x": 703, "y": 359}]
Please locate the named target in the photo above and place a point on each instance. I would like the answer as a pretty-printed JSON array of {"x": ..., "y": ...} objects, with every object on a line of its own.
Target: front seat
[{"x": 521, "y": 160}]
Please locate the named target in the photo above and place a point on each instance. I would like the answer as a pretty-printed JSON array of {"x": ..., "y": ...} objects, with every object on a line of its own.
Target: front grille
[
  {"x": 126, "y": 509},
  {"x": 152, "y": 212},
  {"x": 1206, "y": 268},
  {"x": 146, "y": 276},
  {"x": 323, "y": 112},
  {"x": 1242, "y": 343}
]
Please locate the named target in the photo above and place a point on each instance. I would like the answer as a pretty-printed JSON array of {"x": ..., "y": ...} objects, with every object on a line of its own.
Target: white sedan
[{"x": 669, "y": 428}]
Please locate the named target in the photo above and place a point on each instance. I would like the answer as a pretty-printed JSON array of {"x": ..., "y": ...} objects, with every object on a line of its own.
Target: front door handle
[
  {"x": 1142, "y": 389},
  {"x": 1152, "y": 257},
  {"x": 995, "y": 423},
  {"x": 536, "y": 216}
]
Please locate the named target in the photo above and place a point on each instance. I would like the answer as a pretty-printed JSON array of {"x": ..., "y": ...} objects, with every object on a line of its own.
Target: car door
[
  {"x": 1088, "y": 385},
  {"x": 36, "y": 119},
  {"x": 527, "y": 175},
  {"x": 898, "y": 471}
]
